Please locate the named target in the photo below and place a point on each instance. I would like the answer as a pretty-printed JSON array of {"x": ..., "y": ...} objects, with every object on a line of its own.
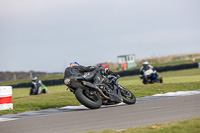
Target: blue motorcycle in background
[{"x": 152, "y": 78}]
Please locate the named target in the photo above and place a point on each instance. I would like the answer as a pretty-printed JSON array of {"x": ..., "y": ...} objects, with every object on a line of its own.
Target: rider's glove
[
  {"x": 67, "y": 81},
  {"x": 118, "y": 76}
]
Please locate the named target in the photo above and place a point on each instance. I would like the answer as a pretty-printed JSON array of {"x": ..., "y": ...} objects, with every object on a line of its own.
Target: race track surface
[{"x": 116, "y": 118}]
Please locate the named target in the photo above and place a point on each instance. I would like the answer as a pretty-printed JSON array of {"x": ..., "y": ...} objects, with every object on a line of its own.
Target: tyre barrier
[
  {"x": 6, "y": 97},
  {"x": 45, "y": 82},
  {"x": 160, "y": 69},
  {"x": 177, "y": 67},
  {"x": 122, "y": 74},
  {"x": 53, "y": 82}
]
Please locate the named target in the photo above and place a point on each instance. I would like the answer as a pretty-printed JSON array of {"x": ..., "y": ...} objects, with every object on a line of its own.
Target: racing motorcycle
[
  {"x": 108, "y": 92},
  {"x": 37, "y": 88},
  {"x": 152, "y": 77}
]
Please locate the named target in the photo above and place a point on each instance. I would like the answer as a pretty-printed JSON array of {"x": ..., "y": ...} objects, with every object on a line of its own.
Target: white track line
[
  {"x": 7, "y": 119},
  {"x": 81, "y": 107},
  {"x": 179, "y": 93}
]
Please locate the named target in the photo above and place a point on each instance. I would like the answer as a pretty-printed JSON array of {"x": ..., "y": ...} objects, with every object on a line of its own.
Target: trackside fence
[{"x": 160, "y": 69}]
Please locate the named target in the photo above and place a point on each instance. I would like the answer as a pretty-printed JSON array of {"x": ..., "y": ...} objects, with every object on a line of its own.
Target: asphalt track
[{"x": 116, "y": 118}]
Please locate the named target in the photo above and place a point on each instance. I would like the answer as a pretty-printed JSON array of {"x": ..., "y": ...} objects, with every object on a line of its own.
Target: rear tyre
[
  {"x": 128, "y": 96},
  {"x": 89, "y": 99},
  {"x": 145, "y": 82}
]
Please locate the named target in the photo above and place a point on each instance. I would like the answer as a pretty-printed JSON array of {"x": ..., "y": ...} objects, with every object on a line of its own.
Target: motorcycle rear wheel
[
  {"x": 128, "y": 96},
  {"x": 161, "y": 80},
  {"x": 92, "y": 101}
]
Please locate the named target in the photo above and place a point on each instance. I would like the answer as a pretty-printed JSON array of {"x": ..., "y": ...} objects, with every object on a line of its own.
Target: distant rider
[
  {"x": 146, "y": 70},
  {"x": 38, "y": 87}
]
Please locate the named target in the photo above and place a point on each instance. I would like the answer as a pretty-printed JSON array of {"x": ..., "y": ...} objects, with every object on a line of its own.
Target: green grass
[
  {"x": 186, "y": 126},
  {"x": 173, "y": 63},
  {"x": 59, "y": 96}
]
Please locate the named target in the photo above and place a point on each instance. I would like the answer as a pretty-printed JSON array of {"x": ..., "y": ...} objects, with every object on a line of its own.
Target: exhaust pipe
[
  {"x": 95, "y": 87},
  {"x": 103, "y": 94}
]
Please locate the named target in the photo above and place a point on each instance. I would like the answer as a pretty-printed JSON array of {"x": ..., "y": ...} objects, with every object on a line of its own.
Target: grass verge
[{"x": 186, "y": 126}]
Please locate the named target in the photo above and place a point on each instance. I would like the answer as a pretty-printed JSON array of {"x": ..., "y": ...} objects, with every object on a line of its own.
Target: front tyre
[
  {"x": 161, "y": 80},
  {"x": 128, "y": 96},
  {"x": 90, "y": 99}
]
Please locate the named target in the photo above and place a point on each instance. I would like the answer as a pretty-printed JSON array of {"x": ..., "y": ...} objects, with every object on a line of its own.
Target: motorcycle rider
[
  {"x": 76, "y": 72},
  {"x": 146, "y": 70},
  {"x": 95, "y": 76},
  {"x": 40, "y": 87}
]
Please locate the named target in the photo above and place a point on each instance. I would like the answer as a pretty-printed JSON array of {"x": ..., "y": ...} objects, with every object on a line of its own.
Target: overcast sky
[{"x": 46, "y": 35}]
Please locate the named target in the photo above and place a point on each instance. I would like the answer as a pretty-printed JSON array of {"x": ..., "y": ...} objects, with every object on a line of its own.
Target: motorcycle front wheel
[
  {"x": 128, "y": 96},
  {"x": 89, "y": 98}
]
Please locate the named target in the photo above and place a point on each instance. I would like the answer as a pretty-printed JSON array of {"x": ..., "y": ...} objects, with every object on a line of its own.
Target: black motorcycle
[{"x": 107, "y": 93}]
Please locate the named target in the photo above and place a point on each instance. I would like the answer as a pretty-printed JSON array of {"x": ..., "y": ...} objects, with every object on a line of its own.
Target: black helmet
[
  {"x": 107, "y": 71},
  {"x": 104, "y": 71}
]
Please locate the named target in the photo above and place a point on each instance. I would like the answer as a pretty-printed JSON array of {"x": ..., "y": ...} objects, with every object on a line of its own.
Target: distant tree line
[
  {"x": 169, "y": 58},
  {"x": 9, "y": 76}
]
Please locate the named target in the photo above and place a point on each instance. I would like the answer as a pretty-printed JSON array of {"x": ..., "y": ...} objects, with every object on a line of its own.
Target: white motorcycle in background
[{"x": 151, "y": 77}]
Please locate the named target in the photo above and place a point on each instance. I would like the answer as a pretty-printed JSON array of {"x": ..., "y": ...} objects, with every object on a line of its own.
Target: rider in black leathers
[
  {"x": 94, "y": 75},
  {"x": 76, "y": 72}
]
